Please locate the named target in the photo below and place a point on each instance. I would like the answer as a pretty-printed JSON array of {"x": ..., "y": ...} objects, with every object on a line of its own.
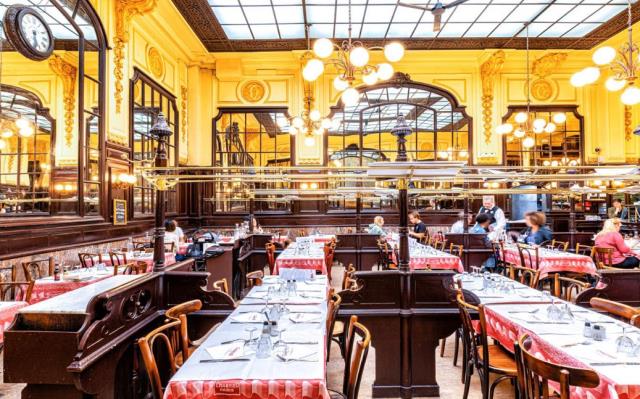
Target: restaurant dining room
[{"x": 319, "y": 199}]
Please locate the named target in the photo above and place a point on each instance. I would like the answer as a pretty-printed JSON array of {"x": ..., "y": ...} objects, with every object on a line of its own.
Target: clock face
[
  {"x": 35, "y": 33},
  {"x": 28, "y": 32}
]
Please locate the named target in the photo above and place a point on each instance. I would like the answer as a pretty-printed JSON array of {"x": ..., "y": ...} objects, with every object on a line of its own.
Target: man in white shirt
[
  {"x": 498, "y": 220},
  {"x": 458, "y": 227}
]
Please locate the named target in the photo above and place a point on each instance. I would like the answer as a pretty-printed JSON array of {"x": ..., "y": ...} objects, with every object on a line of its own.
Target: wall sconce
[
  {"x": 64, "y": 188},
  {"x": 123, "y": 181}
]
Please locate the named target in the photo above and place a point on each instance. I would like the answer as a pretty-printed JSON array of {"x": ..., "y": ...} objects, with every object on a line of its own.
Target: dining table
[
  {"x": 8, "y": 310},
  {"x": 427, "y": 257},
  {"x": 308, "y": 256},
  {"x": 498, "y": 288},
  {"x": 233, "y": 362},
  {"x": 552, "y": 261},
  {"x": 138, "y": 256},
  {"x": 48, "y": 287}
]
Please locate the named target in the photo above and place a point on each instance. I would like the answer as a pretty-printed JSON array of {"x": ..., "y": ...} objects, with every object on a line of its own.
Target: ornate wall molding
[
  {"x": 67, "y": 73},
  {"x": 155, "y": 62},
  {"x": 183, "y": 112},
  {"x": 489, "y": 71},
  {"x": 542, "y": 88},
  {"x": 125, "y": 10},
  {"x": 628, "y": 123}
]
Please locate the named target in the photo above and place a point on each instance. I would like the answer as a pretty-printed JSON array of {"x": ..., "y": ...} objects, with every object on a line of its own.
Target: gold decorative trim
[
  {"x": 542, "y": 88},
  {"x": 253, "y": 91},
  {"x": 489, "y": 71},
  {"x": 628, "y": 122},
  {"x": 67, "y": 73},
  {"x": 155, "y": 62},
  {"x": 125, "y": 10},
  {"x": 183, "y": 111}
]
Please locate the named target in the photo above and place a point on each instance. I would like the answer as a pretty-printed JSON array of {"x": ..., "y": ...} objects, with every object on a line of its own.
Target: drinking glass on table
[
  {"x": 624, "y": 344},
  {"x": 251, "y": 344}
]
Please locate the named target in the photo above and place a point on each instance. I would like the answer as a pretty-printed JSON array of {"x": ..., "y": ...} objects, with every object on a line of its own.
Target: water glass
[
  {"x": 263, "y": 349},
  {"x": 251, "y": 344},
  {"x": 624, "y": 344}
]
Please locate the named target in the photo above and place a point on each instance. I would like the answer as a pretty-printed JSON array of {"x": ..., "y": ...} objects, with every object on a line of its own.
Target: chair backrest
[
  {"x": 254, "y": 278},
  {"x": 346, "y": 277},
  {"x": 529, "y": 256},
  {"x": 617, "y": 309},
  {"x": 88, "y": 259},
  {"x": 534, "y": 374},
  {"x": 524, "y": 275},
  {"x": 271, "y": 255},
  {"x": 586, "y": 250},
  {"x": 470, "y": 337},
  {"x": 560, "y": 245},
  {"x": 16, "y": 291},
  {"x": 567, "y": 288},
  {"x": 603, "y": 257},
  {"x": 357, "y": 349},
  {"x": 222, "y": 285},
  {"x": 8, "y": 274},
  {"x": 456, "y": 249},
  {"x": 441, "y": 245},
  {"x": 170, "y": 246},
  {"x": 329, "y": 251},
  {"x": 138, "y": 267},
  {"x": 179, "y": 312},
  {"x": 163, "y": 341},
  {"x": 332, "y": 311},
  {"x": 34, "y": 269},
  {"x": 117, "y": 258},
  {"x": 141, "y": 244}
]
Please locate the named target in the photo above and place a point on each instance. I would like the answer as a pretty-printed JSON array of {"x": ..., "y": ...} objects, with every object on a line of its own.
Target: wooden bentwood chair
[
  {"x": 138, "y": 267},
  {"x": 621, "y": 311},
  {"x": 524, "y": 275},
  {"x": 16, "y": 291},
  {"x": 358, "y": 343},
  {"x": 567, "y": 288},
  {"x": 271, "y": 256},
  {"x": 603, "y": 257},
  {"x": 559, "y": 245},
  {"x": 34, "y": 269},
  {"x": 89, "y": 259},
  {"x": 534, "y": 374},
  {"x": 332, "y": 312},
  {"x": 221, "y": 285},
  {"x": 118, "y": 258}
]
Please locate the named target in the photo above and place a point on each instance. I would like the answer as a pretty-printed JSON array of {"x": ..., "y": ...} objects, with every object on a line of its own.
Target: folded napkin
[
  {"x": 305, "y": 318},
  {"x": 234, "y": 350},
  {"x": 299, "y": 353},
  {"x": 299, "y": 337},
  {"x": 249, "y": 317}
]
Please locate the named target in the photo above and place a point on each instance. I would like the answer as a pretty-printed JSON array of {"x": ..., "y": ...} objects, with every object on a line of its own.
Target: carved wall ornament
[
  {"x": 253, "y": 91},
  {"x": 155, "y": 62},
  {"x": 183, "y": 111},
  {"x": 628, "y": 123},
  {"x": 489, "y": 71},
  {"x": 542, "y": 88},
  {"x": 124, "y": 11},
  {"x": 67, "y": 73}
]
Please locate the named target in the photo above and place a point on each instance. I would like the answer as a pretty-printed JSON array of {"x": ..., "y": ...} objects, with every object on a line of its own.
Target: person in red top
[{"x": 610, "y": 237}]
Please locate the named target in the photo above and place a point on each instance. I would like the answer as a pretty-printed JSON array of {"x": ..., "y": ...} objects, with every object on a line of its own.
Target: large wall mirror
[
  {"x": 149, "y": 99},
  {"x": 53, "y": 164}
]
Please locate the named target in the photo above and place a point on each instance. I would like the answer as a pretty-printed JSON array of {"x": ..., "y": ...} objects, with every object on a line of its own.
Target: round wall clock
[{"x": 28, "y": 32}]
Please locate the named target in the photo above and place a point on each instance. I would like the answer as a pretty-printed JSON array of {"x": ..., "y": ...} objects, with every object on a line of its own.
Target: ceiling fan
[{"x": 437, "y": 10}]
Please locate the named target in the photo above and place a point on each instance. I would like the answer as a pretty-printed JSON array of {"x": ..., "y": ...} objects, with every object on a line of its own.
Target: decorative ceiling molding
[
  {"x": 124, "y": 11},
  {"x": 489, "y": 71},
  {"x": 67, "y": 73},
  {"x": 200, "y": 17}
]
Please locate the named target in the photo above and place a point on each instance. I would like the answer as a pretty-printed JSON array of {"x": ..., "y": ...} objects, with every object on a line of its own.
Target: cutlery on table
[
  {"x": 615, "y": 364},
  {"x": 244, "y": 359},
  {"x": 524, "y": 311}
]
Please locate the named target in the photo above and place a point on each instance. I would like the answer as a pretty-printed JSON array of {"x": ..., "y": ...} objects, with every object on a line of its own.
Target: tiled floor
[{"x": 448, "y": 376}]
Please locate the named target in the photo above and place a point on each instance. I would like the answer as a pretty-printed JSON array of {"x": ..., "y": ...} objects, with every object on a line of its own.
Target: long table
[
  {"x": 426, "y": 257},
  {"x": 510, "y": 315},
  {"x": 311, "y": 258},
  {"x": 202, "y": 378},
  {"x": 552, "y": 261}
]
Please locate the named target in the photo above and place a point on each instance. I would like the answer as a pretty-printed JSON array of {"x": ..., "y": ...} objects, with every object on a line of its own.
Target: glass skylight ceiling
[{"x": 285, "y": 19}]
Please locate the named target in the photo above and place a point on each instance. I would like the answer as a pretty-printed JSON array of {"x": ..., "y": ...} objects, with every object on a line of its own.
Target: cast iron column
[
  {"x": 405, "y": 289},
  {"x": 403, "y": 207},
  {"x": 162, "y": 131},
  {"x": 251, "y": 212}
]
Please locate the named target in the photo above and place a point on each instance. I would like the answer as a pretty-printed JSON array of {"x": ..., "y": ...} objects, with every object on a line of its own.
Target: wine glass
[
  {"x": 251, "y": 344},
  {"x": 624, "y": 344}
]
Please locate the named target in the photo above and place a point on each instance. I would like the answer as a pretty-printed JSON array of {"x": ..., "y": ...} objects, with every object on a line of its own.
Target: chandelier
[
  {"x": 622, "y": 63},
  {"x": 351, "y": 60},
  {"x": 310, "y": 122},
  {"x": 527, "y": 125}
]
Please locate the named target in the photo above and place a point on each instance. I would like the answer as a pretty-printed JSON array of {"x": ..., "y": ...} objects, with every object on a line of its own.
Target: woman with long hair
[{"x": 610, "y": 237}]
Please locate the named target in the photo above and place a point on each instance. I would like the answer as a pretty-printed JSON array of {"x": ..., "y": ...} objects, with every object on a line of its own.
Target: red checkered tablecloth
[
  {"x": 169, "y": 259},
  {"x": 301, "y": 263},
  {"x": 440, "y": 260},
  {"x": 8, "y": 311},
  {"x": 554, "y": 261},
  {"x": 48, "y": 288},
  {"x": 507, "y": 331},
  {"x": 242, "y": 389}
]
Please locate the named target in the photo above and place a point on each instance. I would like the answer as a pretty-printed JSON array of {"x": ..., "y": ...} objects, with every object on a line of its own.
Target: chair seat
[
  {"x": 195, "y": 345},
  {"x": 500, "y": 361},
  {"x": 336, "y": 395}
]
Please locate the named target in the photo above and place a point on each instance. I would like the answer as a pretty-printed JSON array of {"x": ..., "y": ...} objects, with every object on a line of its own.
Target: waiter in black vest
[{"x": 496, "y": 215}]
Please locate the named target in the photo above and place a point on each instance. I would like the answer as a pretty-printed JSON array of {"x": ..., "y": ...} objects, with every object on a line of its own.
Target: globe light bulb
[
  {"x": 6, "y": 133},
  {"x": 326, "y": 123},
  {"x": 335, "y": 124},
  {"x": 559, "y": 118},
  {"x": 546, "y": 163},
  {"x": 26, "y": 131},
  {"x": 604, "y": 55},
  {"x": 22, "y": 122},
  {"x": 519, "y": 133},
  {"x": 315, "y": 115},
  {"x": 318, "y": 132},
  {"x": 394, "y": 51},
  {"x": 314, "y": 186},
  {"x": 359, "y": 56},
  {"x": 312, "y": 70},
  {"x": 293, "y": 130},
  {"x": 385, "y": 71},
  {"x": 528, "y": 142},
  {"x": 304, "y": 186},
  {"x": 521, "y": 117},
  {"x": 613, "y": 84},
  {"x": 323, "y": 47},
  {"x": 630, "y": 96},
  {"x": 370, "y": 78},
  {"x": 539, "y": 123},
  {"x": 550, "y": 128},
  {"x": 309, "y": 141},
  {"x": 340, "y": 84},
  {"x": 3, "y": 144},
  {"x": 591, "y": 74},
  {"x": 463, "y": 154},
  {"x": 297, "y": 122},
  {"x": 123, "y": 177},
  {"x": 578, "y": 79},
  {"x": 537, "y": 129},
  {"x": 505, "y": 128},
  {"x": 350, "y": 97}
]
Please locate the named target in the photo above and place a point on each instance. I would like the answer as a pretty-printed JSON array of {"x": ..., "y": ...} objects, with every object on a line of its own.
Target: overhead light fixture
[{"x": 623, "y": 65}]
